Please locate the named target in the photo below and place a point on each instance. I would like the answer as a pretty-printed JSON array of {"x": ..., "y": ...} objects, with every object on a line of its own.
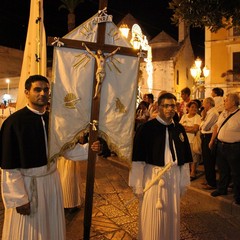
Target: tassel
[
  {"x": 34, "y": 196},
  {"x": 160, "y": 184},
  {"x": 159, "y": 204}
]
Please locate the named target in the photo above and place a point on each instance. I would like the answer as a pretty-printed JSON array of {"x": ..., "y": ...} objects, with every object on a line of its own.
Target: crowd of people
[
  {"x": 200, "y": 119},
  {"x": 215, "y": 121}
]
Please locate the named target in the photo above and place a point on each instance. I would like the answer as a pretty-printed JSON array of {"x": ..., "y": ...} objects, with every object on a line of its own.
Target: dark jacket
[
  {"x": 149, "y": 143},
  {"x": 22, "y": 140}
]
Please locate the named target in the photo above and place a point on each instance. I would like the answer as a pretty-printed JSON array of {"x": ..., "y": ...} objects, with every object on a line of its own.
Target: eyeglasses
[{"x": 173, "y": 106}]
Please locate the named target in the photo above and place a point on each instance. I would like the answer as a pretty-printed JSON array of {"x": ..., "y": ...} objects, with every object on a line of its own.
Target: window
[
  {"x": 236, "y": 31},
  {"x": 236, "y": 66}
]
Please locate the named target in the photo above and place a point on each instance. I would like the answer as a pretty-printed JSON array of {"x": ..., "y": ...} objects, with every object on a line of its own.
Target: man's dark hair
[
  {"x": 186, "y": 90},
  {"x": 34, "y": 78},
  {"x": 150, "y": 95},
  {"x": 218, "y": 91},
  {"x": 146, "y": 104},
  {"x": 166, "y": 96},
  {"x": 199, "y": 103},
  {"x": 193, "y": 103}
]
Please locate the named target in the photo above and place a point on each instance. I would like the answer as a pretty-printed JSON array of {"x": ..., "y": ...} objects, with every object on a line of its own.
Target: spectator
[
  {"x": 209, "y": 119},
  {"x": 142, "y": 115},
  {"x": 191, "y": 122},
  {"x": 150, "y": 100},
  {"x": 185, "y": 95},
  {"x": 227, "y": 133},
  {"x": 217, "y": 94}
]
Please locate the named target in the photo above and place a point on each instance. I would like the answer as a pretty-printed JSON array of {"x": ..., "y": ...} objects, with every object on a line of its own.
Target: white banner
[
  {"x": 34, "y": 58},
  {"x": 73, "y": 75}
]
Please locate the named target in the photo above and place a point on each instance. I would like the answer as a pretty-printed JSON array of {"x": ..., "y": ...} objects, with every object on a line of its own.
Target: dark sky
[{"x": 153, "y": 15}]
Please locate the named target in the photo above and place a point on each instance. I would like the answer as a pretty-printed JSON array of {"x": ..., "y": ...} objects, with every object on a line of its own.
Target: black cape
[
  {"x": 149, "y": 143},
  {"x": 22, "y": 140}
]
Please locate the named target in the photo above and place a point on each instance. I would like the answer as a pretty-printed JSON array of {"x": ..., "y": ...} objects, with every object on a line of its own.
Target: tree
[
  {"x": 70, "y": 6},
  {"x": 214, "y": 14}
]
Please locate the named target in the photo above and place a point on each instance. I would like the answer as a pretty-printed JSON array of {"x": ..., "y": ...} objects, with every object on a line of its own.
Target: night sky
[{"x": 153, "y": 15}]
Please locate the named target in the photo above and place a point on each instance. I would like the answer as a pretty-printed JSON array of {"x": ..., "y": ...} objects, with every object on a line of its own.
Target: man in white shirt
[
  {"x": 209, "y": 119},
  {"x": 228, "y": 147}
]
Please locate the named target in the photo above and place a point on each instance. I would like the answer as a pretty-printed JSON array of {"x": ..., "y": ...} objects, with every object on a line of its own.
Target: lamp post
[
  {"x": 6, "y": 96},
  {"x": 199, "y": 74},
  {"x": 8, "y": 82}
]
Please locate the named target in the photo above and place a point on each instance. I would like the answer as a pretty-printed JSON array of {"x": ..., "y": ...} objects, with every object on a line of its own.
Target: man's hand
[
  {"x": 96, "y": 146},
  {"x": 24, "y": 209}
]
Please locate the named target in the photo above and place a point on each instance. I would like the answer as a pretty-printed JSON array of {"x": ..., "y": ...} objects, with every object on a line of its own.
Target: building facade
[{"x": 222, "y": 56}]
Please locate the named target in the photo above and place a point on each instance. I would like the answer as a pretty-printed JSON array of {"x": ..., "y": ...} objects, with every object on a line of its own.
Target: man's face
[
  {"x": 213, "y": 94},
  {"x": 206, "y": 105},
  {"x": 229, "y": 103},
  {"x": 167, "y": 109},
  {"x": 38, "y": 95},
  {"x": 184, "y": 96}
]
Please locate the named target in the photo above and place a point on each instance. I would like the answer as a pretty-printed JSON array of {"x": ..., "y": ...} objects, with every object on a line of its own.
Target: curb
[{"x": 221, "y": 203}]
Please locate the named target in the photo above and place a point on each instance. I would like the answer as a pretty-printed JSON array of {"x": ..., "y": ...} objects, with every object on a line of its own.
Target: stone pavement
[{"x": 115, "y": 209}]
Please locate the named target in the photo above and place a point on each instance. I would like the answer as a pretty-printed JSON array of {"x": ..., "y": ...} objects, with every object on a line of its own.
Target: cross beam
[{"x": 76, "y": 44}]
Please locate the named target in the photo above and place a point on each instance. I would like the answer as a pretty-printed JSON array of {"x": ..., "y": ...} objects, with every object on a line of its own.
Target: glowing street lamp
[
  {"x": 8, "y": 82},
  {"x": 199, "y": 76},
  {"x": 197, "y": 73},
  {"x": 124, "y": 30}
]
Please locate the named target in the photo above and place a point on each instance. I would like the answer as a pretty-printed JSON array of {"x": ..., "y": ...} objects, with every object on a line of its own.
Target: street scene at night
[{"x": 120, "y": 119}]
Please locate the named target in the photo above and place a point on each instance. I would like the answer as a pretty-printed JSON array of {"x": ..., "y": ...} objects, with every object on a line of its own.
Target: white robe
[
  {"x": 70, "y": 176},
  {"x": 160, "y": 207},
  {"x": 71, "y": 182},
  {"x": 47, "y": 220}
]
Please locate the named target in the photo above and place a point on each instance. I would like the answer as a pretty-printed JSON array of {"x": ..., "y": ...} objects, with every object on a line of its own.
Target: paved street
[
  {"x": 115, "y": 210},
  {"x": 114, "y": 217}
]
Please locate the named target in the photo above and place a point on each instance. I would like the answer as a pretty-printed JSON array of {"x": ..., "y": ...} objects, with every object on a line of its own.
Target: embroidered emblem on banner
[
  {"x": 70, "y": 101},
  {"x": 119, "y": 106}
]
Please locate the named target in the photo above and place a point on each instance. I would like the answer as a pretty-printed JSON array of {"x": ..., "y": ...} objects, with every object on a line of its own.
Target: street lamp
[
  {"x": 124, "y": 30},
  {"x": 8, "y": 82},
  {"x": 199, "y": 74},
  {"x": 6, "y": 96},
  {"x": 139, "y": 41}
]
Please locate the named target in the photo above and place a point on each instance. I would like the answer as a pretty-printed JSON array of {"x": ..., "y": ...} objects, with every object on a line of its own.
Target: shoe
[
  {"x": 217, "y": 193},
  {"x": 193, "y": 178},
  {"x": 208, "y": 187},
  {"x": 237, "y": 202},
  {"x": 73, "y": 210}
]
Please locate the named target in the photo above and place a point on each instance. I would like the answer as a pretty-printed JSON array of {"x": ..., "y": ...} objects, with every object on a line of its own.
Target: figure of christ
[{"x": 101, "y": 62}]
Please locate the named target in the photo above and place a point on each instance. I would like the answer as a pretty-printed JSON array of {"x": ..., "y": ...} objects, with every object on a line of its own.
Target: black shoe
[
  {"x": 217, "y": 193},
  {"x": 237, "y": 202},
  {"x": 193, "y": 178},
  {"x": 208, "y": 187},
  {"x": 73, "y": 210}
]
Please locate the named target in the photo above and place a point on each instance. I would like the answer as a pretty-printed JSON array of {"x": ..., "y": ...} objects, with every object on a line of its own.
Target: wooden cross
[{"x": 93, "y": 133}]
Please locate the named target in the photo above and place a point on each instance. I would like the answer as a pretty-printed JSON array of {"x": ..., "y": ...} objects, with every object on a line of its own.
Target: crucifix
[{"x": 98, "y": 80}]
